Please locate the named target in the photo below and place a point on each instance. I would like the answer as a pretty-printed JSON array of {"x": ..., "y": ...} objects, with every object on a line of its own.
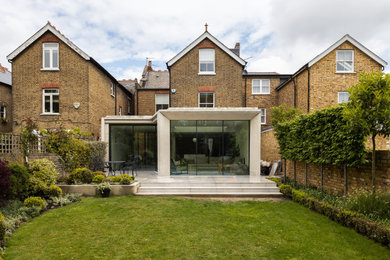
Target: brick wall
[
  {"x": 358, "y": 177},
  {"x": 6, "y": 100},
  {"x": 227, "y": 82},
  {"x": 146, "y": 102},
  {"x": 269, "y": 147},
  {"x": 285, "y": 95}
]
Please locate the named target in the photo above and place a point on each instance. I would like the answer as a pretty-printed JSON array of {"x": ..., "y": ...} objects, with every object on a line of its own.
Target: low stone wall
[
  {"x": 90, "y": 189},
  {"x": 357, "y": 178}
]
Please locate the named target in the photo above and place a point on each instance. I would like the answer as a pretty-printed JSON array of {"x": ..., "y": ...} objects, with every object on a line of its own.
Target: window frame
[
  {"x": 353, "y": 61},
  {"x": 162, "y": 104},
  {"x": 263, "y": 115},
  {"x": 50, "y": 49},
  {"x": 261, "y": 87},
  {"x": 128, "y": 106},
  {"x": 206, "y": 61},
  {"x": 338, "y": 97},
  {"x": 206, "y": 92},
  {"x": 3, "y": 112},
  {"x": 51, "y": 101},
  {"x": 112, "y": 89},
  {"x": 120, "y": 110}
]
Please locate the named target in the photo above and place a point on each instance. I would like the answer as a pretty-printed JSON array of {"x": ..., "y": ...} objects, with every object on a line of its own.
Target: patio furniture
[
  {"x": 113, "y": 167},
  {"x": 131, "y": 165}
]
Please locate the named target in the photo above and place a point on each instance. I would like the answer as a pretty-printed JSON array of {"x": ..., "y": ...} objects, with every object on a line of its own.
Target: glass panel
[
  {"x": 236, "y": 147},
  {"x": 210, "y": 98},
  {"x": 256, "y": 90},
  {"x": 340, "y": 66},
  {"x": 162, "y": 98},
  {"x": 210, "y": 66},
  {"x": 56, "y": 104},
  {"x": 46, "y": 59},
  {"x": 47, "y": 104},
  {"x": 50, "y": 45},
  {"x": 203, "y": 67},
  {"x": 347, "y": 55},
  {"x": 202, "y": 98},
  {"x": 206, "y": 54},
  {"x": 55, "y": 58},
  {"x": 121, "y": 143}
]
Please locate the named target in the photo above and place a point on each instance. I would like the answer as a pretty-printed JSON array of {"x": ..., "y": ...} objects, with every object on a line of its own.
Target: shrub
[
  {"x": 53, "y": 191},
  {"x": 34, "y": 201},
  {"x": 20, "y": 181},
  {"x": 125, "y": 181},
  {"x": 277, "y": 180},
  {"x": 2, "y": 229},
  {"x": 80, "y": 175},
  {"x": 98, "y": 178},
  {"x": 286, "y": 190},
  {"x": 43, "y": 174},
  {"x": 98, "y": 152},
  {"x": 5, "y": 183},
  {"x": 118, "y": 178}
]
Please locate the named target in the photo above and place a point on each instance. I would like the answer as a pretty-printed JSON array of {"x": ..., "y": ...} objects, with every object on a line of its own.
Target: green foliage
[
  {"x": 74, "y": 153},
  {"x": 98, "y": 152},
  {"x": 286, "y": 190},
  {"x": 5, "y": 183},
  {"x": 2, "y": 229},
  {"x": 80, "y": 175},
  {"x": 43, "y": 174},
  {"x": 98, "y": 178},
  {"x": 275, "y": 179},
  {"x": 125, "y": 181},
  {"x": 28, "y": 136},
  {"x": 322, "y": 137},
  {"x": 20, "y": 181},
  {"x": 120, "y": 177},
  {"x": 103, "y": 188},
  {"x": 282, "y": 114},
  {"x": 53, "y": 191},
  {"x": 34, "y": 201}
]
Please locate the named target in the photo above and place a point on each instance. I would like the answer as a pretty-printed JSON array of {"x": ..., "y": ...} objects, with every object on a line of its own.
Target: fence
[{"x": 10, "y": 143}]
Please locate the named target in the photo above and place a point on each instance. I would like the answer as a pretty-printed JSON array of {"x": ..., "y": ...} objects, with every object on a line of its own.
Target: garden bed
[{"x": 91, "y": 189}]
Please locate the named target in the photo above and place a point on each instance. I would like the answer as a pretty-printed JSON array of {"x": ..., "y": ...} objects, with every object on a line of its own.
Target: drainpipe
[
  {"x": 308, "y": 90},
  {"x": 116, "y": 94},
  {"x": 136, "y": 90},
  {"x": 245, "y": 94},
  {"x": 295, "y": 92},
  {"x": 169, "y": 72}
]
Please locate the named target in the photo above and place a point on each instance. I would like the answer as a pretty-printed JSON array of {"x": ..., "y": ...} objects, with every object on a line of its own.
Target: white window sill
[
  {"x": 112, "y": 95},
  {"x": 50, "y": 114},
  {"x": 50, "y": 69},
  {"x": 257, "y": 94},
  {"x": 263, "y": 123},
  {"x": 345, "y": 72},
  {"x": 207, "y": 73}
]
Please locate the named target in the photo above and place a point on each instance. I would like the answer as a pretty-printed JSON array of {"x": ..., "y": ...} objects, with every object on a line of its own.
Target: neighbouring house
[
  {"x": 5, "y": 100},
  {"x": 57, "y": 83},
  {"x": 130, "y": 85}
]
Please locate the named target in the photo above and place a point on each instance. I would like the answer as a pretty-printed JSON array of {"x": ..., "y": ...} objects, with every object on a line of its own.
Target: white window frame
[
  {"x": 3, "y": 112},
  {"x": 112, "y": 89},
  {"x": 155, "y": 101},
  {"x": 206, "y": 92},
  {"x": 207, "y": 61},
  {"x": 260, "y": 85},
  {"x": 263, "y": 116},
  {"x": 120, "y": 110},
  {"x": 338, "y": 60},
  {"x": 128, "y": 106},
  {"x": 50, "y": 49},
  {"x": 338, "y": 97},
  {"x": 51, "y": 101}
]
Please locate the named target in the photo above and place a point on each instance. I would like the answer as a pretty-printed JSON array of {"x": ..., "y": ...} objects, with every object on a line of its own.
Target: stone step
[{"x": 209, "y": 184}]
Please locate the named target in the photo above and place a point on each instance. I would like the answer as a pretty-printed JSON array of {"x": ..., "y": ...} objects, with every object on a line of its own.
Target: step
[{"x": 209, "y": 184}]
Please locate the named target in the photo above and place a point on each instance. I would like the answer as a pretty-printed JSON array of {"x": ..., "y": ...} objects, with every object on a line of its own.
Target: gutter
[{"x": 293, "y": 76}]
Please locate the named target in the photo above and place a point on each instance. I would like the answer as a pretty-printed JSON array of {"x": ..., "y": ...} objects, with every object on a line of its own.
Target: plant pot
[{"x": 106, "y": 193}]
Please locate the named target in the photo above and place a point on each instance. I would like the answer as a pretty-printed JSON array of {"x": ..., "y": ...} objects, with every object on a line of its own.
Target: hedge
[{"x": 347, "y": 218}]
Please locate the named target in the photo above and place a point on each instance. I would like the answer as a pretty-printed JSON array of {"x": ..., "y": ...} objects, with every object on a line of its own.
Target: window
[
  {"x": 3, "y": 112},
  {"x": 343, "y": 97},
  {"x": 263, "y": 116},
  {"x": 206, "y": 61},
  {"x": 344, "y": 61},
  {"x": 120, "y": 110},
  {"x": 206, "y": 99},
  {"x": 50, "y": 56},
  {"x": 128, "y": 106},
  {"x": 51, "y": 101},
  {"x": 162, "y": 101},
  {"x": 260, "y": 86},
  {"x": 112, "y": 90}
]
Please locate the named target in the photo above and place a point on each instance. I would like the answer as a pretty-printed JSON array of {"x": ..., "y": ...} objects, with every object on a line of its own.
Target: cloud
[{"x": 278, "y": 35}]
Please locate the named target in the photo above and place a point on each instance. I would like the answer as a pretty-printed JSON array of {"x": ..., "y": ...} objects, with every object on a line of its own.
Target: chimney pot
[
  {"x": 237, "y": 46},
  {"x": 150, "y": 63}
]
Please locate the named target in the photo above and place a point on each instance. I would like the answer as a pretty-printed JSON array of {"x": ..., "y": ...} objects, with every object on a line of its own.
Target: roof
[
  {"x": 357, "y": 44},
  {"x": 205, "y": 35},
  {"x": 129, "y": 84},
  {"x": 5, "y": 76},
  {"x": 44, "y": 29},
  {"x": 157, "y": 79},
  {"x": 268, "y": 74}
]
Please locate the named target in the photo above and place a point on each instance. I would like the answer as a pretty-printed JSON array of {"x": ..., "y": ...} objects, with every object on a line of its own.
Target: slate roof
[
  {"x": 129, "y": 84},
  {"x": 5, "y": 76},
  {"x": 157, "y": 79}
]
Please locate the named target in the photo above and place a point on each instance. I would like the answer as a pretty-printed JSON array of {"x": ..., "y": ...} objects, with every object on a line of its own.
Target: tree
[{"x": 369, "y": 108}]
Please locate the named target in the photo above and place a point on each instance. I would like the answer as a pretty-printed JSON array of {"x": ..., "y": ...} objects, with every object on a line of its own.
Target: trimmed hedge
[
  {"x": 347, "y": 218},
  {"x": 80, "y": 175},
  {"x": 34, "y": 202}
]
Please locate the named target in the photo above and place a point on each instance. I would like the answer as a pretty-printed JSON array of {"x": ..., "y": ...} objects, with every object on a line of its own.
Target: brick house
[
  {"x": 56, "y": 82},
  {"x": 5, "y": 100}
]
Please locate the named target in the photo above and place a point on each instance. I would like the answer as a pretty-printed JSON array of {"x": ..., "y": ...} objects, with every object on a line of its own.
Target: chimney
[
  {"x": 237, "y": 45},
  {"x": 236, "y": 49},
  {"x": 150, "y": 66}
]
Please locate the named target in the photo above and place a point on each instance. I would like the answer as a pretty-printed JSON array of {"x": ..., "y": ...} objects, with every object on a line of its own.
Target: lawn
[{"x": 176, "y": 228}]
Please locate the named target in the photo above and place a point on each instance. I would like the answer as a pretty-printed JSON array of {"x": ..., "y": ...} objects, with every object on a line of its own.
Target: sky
[{"x": 275, "y": 35}]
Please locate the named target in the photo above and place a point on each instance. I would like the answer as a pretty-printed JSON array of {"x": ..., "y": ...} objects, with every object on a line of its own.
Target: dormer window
[
  {"x": 344, "y": 61},
  {"x": 50, "y": 56},
  {"x": 207, "y": 61}
]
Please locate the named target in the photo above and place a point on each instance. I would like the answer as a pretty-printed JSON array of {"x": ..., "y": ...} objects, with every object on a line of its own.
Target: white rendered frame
[
  {"x": 261, "y": 86},
  {"x": 206, "y": 104},
  {"x": 207, "y": 61},
  {"x": 263, "y": 116},
  {"x": 341, "y": 97},
  {"x": 51, "y": 93},
  {"x": 343, "y": 62},
  {"x": 51, "y": 49}
]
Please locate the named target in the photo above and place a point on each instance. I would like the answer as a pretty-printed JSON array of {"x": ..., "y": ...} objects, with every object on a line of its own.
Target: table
[{"x": 113, "y": 166}]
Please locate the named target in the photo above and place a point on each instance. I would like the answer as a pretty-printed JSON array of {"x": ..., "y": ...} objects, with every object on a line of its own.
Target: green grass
[{"x": 176, "y": 228}]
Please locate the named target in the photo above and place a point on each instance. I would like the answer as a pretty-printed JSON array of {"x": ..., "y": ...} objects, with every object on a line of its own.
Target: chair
[{"x": 131, "y": 165}]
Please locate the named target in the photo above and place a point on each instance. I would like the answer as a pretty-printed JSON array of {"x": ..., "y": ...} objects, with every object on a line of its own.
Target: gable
[{"x": 199, "y": 41}]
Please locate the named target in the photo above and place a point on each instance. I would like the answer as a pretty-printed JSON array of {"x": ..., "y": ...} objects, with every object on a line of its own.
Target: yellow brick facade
[{"x": 6, "y": 101}]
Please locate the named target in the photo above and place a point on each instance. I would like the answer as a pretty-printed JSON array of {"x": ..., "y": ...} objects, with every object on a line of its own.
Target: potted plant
[{"x": 104, "y": 189}]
